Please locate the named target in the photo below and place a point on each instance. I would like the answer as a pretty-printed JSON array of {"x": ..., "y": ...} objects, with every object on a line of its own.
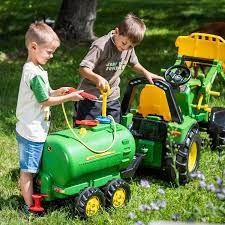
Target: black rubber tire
[
  {"x": 111, "y": 189},
  {"x": 182, "y": 158},
  {"x": 214, "y": 138},
  {"x": 85, "y": 196},
  {"x": 216, "y": 127}
]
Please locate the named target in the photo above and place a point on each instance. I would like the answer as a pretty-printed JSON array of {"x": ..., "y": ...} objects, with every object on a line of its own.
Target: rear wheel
[
  {"x": 187, "y": 158},
  {"x": 89, "y": 202},
  {"x": 216, "y": 128},
  {"x": 117, "y": 193}
]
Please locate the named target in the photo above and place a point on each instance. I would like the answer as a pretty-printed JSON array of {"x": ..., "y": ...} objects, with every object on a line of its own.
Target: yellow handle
[
  {"x": 200, "y": 102},
  {"x": 204, "y": 107},
  {"x": 200, "y": 106},
  {"x": 105, "y": 94},
  {"x": 214, "y": 93}
]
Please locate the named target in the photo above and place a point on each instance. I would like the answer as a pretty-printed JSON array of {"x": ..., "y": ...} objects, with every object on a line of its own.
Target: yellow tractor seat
[
  {"x": 158, "y": 99},
  {"x": 153, "y": 101}
]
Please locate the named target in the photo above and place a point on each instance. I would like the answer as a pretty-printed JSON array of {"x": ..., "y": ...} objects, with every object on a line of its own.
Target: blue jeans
[{"x": 29, "y": 154}]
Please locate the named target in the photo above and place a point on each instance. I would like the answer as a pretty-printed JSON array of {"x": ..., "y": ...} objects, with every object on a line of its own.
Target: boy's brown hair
[
  {"x": 40, "y": 33},
  {"x": 133, "y": 28}
]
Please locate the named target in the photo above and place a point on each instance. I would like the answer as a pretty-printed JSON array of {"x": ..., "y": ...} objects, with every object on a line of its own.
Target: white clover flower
[
  {"x": 132, "y": 216},
  {"x": 145, "y": 183}
]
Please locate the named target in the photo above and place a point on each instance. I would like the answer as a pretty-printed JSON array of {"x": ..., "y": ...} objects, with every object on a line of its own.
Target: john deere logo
[{"x": 49, "y": 148}]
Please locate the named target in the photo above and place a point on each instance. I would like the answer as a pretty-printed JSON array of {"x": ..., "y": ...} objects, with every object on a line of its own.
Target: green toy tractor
[
  {"x": 170, "y": 114},
  {"x": 168, "y": 139}
]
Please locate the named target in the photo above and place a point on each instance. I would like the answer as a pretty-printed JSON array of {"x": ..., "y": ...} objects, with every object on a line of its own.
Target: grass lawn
[{"x": 165, "y": 19}]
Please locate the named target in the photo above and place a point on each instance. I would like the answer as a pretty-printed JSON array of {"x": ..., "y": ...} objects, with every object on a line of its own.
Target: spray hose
[{"x": 82, "y": 142}]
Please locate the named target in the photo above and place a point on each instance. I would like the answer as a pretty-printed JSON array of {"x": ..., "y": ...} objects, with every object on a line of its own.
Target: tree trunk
[{"x": 76, "y": 19}]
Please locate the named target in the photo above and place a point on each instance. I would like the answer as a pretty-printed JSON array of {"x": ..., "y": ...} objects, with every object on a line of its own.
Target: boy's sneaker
[
  {"x": 28, "y": 213},
  {"x": 25, "y": 210}
]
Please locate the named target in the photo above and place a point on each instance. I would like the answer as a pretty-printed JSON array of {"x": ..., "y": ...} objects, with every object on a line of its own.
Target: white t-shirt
[{"x": 34, "y": 88}]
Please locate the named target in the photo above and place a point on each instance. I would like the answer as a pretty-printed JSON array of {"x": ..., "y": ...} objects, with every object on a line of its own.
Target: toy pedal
[{"x": 37, "y": 203}]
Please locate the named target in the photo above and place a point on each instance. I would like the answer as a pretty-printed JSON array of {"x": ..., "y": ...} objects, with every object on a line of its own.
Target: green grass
[{"x": 165, "y": 21}]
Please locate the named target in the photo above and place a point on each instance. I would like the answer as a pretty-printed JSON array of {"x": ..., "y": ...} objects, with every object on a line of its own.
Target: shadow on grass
[
  {"x": 14, "y": 201},
  {"x": 14, "y": 174},
  {"x": 155, "y": 175},
  {"x": 17, "y": 16},
  {"x": 7, "y": 121}
]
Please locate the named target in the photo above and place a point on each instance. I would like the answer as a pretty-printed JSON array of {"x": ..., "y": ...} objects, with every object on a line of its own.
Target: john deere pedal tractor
[
  {"x": 168, "y": 139},
  {"x": 166, "y": 122}
]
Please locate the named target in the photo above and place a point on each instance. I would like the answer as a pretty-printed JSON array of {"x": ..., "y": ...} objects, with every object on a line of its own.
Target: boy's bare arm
[
  {"x": 98, "y": 80},
  {"x": 56, "y": 100},
  {"x": 150, "y": 76}
]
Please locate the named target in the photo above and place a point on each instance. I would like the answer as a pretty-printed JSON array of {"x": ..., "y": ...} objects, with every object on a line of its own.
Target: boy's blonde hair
[
  {"x": 40, "y": 33},
  {"x": 133, "y": 28}
]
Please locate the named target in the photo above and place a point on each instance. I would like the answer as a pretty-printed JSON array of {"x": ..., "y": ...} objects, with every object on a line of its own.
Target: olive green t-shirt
[{"x": 104, "y": 59}]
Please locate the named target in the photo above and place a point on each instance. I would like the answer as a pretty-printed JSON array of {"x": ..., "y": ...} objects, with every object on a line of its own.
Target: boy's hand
[
  {"x": 101, "y": 83},
  {"x": 63, "y": 90},
  {"x": 152, "y": 76},
  {"x": 75, "y": 96}
]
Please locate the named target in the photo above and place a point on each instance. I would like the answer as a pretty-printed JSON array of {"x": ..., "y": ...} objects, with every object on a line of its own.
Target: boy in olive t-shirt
[{"x": 104, "y": 63}]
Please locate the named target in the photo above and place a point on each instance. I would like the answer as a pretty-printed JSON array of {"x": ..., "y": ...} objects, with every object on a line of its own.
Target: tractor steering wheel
[{"x": 177, "y": 75}]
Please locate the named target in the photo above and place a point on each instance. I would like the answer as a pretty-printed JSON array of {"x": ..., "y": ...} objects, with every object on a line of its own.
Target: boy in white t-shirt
[{"x": 34, "y": 99}]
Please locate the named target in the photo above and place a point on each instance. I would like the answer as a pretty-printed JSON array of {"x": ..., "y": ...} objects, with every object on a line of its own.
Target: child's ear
[
  {"x": 117, "y": 32},
  {"x": 33, "y": 45}
]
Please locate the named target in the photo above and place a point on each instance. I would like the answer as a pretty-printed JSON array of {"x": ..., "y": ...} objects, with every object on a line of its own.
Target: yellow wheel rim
[
  {"x": 192, "y": 157},
  {"x": 92, "y": 206},
  {"x": 119, "y": 198}
]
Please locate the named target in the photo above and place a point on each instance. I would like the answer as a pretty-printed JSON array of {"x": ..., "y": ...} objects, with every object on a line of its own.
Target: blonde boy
[
  {"x": 107, "y": 58},
  {"x": 34, "y": 99}
]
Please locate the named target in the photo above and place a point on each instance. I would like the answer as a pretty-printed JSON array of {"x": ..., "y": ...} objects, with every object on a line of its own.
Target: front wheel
[{"x": 187, "y": 158}]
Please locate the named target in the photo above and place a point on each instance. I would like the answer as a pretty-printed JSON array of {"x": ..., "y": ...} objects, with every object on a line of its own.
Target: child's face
[
  {"x": 42, "y": 53},
  {"x": 122, "y": 43}
]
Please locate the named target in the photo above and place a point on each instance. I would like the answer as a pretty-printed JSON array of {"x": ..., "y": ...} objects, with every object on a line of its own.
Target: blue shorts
[{"x": 29, "y": 154}]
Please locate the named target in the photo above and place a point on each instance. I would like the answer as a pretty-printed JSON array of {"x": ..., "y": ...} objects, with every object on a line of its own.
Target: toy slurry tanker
[{"x": 91, "y": 161}]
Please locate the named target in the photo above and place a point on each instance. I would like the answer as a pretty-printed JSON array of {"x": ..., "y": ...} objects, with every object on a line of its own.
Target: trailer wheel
[
  {"x": 117, "y": 193},
  {"x": 89, "y": 202},
  {"x": 187, "y": 158}
]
